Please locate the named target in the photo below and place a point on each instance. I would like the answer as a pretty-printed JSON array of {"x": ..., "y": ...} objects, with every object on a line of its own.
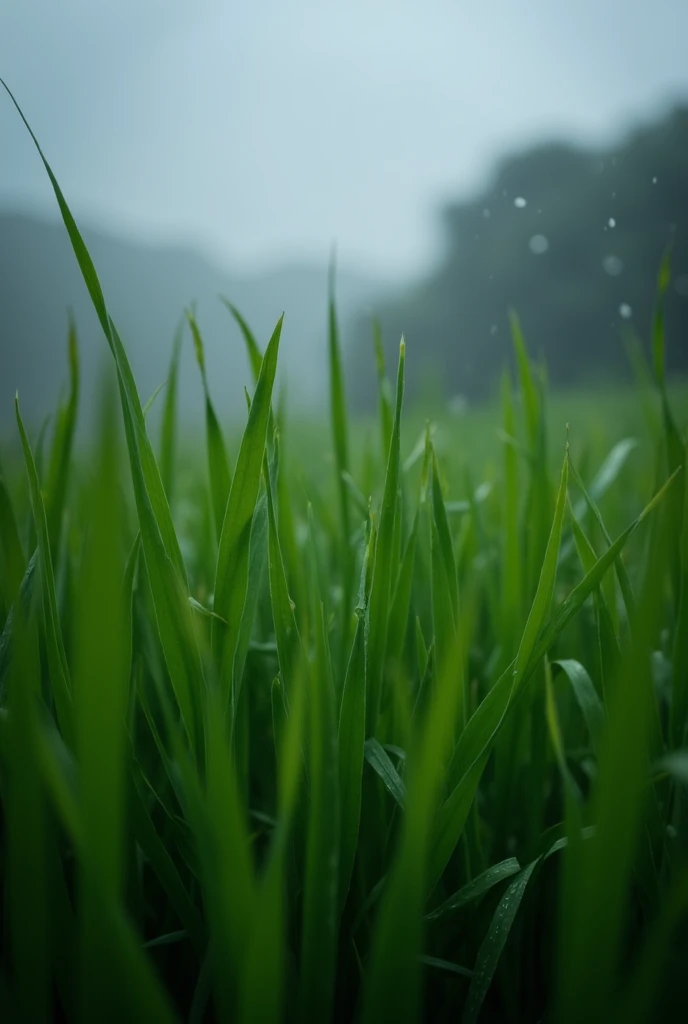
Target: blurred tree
[{"x": 572, "y": 239}]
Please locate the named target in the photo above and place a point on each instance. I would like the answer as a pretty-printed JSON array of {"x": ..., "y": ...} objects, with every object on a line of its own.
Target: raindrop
[
  {"x": 654, "y": 180},
  {"x": 613, "y": 195},
  {"x": 493, "y": 329},
  {"x": 520, "y": 202},
  {"x": 611, "y": 222},
  {"x": 612, "y": 265},
  {"x": 625, "y": 311},
  {"x": 486, "y": 213},
  {"x": 538, "y": 245}
]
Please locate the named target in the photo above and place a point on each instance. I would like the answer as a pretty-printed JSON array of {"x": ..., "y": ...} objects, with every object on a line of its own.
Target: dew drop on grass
[
  {"x": 538, "y": 245},
  {"x": 520, "y": 202},
  {"x": 625, "y": 311}
]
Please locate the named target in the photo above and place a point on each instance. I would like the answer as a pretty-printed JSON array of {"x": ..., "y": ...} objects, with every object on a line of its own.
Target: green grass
[{"x": 385, "y": 721}]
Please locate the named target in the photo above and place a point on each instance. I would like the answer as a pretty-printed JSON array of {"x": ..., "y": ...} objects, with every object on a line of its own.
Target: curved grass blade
[
  {"x": 338, "y": 412},
  {"x": 383, "y": 566},
  {"x": 493, "y": 944},
  {"x": 351, "y": 735},
  {"x": 231, "y": 578},
  {"x": 60, "y": 455},
  {"x": 381, "y": 763},
  {"x": 168, "y": 438},
  {"x": 475, "y": 888},
  {"x": 160, "y": 544},
  {"x": 586, "y": 698},
  {"x": 384, "y": 388},
  {"x": 218, "y": 464}
]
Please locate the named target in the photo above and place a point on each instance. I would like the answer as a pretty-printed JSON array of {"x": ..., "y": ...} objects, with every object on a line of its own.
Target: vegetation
[{"x": 272, "y": 750}]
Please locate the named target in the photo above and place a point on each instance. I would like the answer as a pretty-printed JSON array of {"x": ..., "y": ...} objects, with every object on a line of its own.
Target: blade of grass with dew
[
  {"x": 401, "y": 601},
  {"x": 512, "y": 584},
  {"x": 57, "y": 659},
  {"x": 444, "y": 586},
  {"x": 475, "y": 888},
  {"x": 231, "y": 578},
  {"x": 381, "y": 763},
  {"x": 168, "y": 434},
  {"x": 258, "y": 553},
  {"x": 383, "y": 567},
  {"x": 339, "y": 422},
  {"x": 286, "y": 630},
  {"x": 351, "y": 733},
  {"x": 60, "y": 455},
  {"x": 500, "y": 926},
  {"x": 218, "y": 463},
  {"x": 384, "y": 389},
  {"x": 538, "y": 498}
]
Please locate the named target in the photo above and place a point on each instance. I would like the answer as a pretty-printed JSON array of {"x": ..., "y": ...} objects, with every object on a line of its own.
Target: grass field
[{"x": 347, "y": 721}]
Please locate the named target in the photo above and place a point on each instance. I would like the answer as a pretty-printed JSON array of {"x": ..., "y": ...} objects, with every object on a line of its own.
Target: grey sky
[{"x": 264, "y": 130}]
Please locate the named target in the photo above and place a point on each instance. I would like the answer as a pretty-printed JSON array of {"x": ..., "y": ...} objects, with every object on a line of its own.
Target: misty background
[{"x": 464, "y": 158}]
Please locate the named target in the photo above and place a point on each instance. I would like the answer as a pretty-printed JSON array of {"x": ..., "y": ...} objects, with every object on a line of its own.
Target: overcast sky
[{"x": 265, "y": 129}]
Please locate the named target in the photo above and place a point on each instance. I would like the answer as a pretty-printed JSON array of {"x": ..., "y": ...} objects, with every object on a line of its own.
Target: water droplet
[
  {"x": 538, "y": 245},
  {"x": 613, "y": 195},
  {"x": 654, "y": 180},
  {"x": 625, "y": 311},
  {"x": 520, "y": 202},
  {"x": 612, "y": 265},
  {"x": 486, "y": 213},
  {"x": 611, "y": 222},
  {"x": 493, "y": 329}
]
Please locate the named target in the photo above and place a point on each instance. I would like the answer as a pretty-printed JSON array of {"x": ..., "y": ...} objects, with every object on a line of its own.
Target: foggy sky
[{"x": 263, "y": 130}]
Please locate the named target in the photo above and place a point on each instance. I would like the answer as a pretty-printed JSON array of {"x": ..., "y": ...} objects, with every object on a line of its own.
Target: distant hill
[
  {"x": 570, "y": 237},
  {"x": 147, "y": 288}
]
